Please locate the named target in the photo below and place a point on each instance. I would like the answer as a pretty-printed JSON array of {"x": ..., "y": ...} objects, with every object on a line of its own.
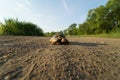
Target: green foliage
[
  {"x": 49, "y": 34},
  {"x": 72, "y": 30},
  {"x": 1, "y": 30},
  {"x": 15, "y": 27},
  {"x": 103, "y": 19}
]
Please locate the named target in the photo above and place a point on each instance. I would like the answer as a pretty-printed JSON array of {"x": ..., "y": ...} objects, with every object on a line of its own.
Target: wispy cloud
[
  {"x": 23, "y": 5},
  {"x": 28, "y": 10},
  {"x": 66, "y": 7},
  {"x": 25, "y": 11}
]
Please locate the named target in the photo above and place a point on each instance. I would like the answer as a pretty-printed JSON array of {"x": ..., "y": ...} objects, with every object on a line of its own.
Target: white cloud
[{"x": 66, "y": 7}]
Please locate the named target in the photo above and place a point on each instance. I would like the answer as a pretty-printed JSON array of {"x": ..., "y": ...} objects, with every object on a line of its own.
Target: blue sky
[{"x": 50, "y": 15}]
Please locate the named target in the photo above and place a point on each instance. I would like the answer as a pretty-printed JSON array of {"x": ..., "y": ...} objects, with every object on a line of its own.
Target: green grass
[
  {"x": 1, "y": 31},
  {"x": 110, "y": 35},
  {"x": 104, "y": 35}
]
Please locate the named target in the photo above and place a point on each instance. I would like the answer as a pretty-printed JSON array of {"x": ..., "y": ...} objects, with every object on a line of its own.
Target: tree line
[{"x": 103, "y": 19}]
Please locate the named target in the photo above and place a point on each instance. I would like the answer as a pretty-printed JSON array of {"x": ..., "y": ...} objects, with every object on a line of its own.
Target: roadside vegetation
[
  {"x": 103, "y": 35},
  {"x": 15, "y": 27},
  {"x": 103, "y": 21}
]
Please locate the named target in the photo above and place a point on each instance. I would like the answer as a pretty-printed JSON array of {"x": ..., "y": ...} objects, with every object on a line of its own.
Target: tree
[
  {"x": 1, "y": 30},
  {"x": 114, "y": 13},
  {"x": 103, "y": 19},
  {"x": 72, "y": 30},
  {"x": 83, "y": 28}
]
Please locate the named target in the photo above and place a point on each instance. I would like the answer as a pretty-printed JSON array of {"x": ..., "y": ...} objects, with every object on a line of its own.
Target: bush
[
  {"x": 1, "y": 30},
  {"x": 15, "y": 27}
]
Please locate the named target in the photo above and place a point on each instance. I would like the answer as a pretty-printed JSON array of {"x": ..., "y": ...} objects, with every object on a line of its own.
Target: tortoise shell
[{"x": 58, "y": 39}]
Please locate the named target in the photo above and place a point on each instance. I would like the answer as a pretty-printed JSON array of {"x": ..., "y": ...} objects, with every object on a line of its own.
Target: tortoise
[{"x": 58, "y": 39}]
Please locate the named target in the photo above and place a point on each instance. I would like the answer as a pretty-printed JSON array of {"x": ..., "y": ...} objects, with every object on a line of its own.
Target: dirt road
[{"x": 32, "y": 58}]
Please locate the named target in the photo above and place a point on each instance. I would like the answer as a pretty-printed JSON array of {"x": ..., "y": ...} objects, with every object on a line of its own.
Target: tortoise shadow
[{"x": 91, "y": 44}]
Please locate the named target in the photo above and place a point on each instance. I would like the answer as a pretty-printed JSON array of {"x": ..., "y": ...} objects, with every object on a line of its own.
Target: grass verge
[{"x": 103, "y": 35}]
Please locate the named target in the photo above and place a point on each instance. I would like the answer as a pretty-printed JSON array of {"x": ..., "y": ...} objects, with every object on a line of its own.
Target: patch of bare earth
[{"x": 32, "y": 58}]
